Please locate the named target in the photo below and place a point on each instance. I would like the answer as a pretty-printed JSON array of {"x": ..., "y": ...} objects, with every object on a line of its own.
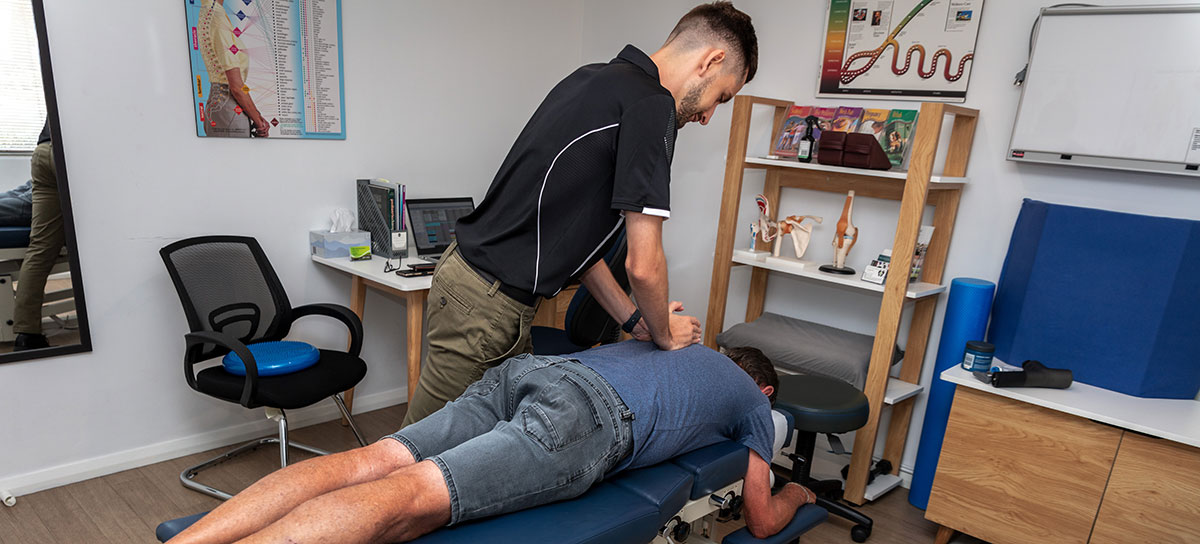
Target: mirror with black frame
[{"x": 41, "y": 293}]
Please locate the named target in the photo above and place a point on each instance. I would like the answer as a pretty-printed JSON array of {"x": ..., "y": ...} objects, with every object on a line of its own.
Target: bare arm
[
  {"x": 768, "y": 514},
  {"x": 647, "y": 268},
  {"x": 237, "y": 88}
]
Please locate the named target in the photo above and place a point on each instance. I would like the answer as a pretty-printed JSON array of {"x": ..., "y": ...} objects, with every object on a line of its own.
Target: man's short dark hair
[
  {"x": 758, "y": 366},
  {"x": 726, "y": 24}
]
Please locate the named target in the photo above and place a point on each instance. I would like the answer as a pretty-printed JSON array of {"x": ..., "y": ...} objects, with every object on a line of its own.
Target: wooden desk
[
  {"x": 365, "y": 274},
  {"x": 1082, "y": 464}
]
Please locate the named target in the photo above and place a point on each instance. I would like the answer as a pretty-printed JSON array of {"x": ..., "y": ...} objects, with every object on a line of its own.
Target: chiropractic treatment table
[{"x": 661, "y": 503}]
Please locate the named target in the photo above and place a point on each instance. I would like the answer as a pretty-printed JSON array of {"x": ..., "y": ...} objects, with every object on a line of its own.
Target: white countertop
[
  {"x": 373, "y": 270},
  {"x": 1172, "y": 419}
]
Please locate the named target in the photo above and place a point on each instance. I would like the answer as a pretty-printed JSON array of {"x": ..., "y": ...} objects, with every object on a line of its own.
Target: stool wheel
[{"x": 860, "y": 533}]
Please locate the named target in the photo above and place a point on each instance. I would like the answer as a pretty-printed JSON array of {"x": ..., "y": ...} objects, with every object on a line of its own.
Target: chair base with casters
[
  {"x": 188, "y": 476},
  {"x": 823, "y": 405},
  {"x": 659, "y": 504}
]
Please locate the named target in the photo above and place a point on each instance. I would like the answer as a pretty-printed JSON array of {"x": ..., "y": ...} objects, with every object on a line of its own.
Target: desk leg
[
  {"x": 358, "y": 300},
  {"x": 944, "y": 535},
  {"x": 415, "y": 301}
]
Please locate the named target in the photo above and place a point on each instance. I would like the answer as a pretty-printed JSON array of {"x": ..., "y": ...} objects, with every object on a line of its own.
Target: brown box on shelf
[{"x": 851, "y": 150}]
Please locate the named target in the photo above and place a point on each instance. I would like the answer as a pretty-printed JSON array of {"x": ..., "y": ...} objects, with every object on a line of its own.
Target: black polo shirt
[{"x": 600, "y": 144}]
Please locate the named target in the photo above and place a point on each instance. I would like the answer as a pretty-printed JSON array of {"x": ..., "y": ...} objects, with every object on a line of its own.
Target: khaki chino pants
[{"x": 471, "y": 327}]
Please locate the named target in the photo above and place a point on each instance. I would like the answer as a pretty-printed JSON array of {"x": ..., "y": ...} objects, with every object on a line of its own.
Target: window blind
[{"x": 22, "y": 102}]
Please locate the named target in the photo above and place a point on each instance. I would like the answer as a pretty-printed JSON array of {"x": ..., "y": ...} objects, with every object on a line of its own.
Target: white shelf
[
  {"x": 808, "y": 269},
  {"x": 1177, "y": 420},
  {"x": 898, "y": 390},
  {"x": 880, "y": 485},
  {"x": 940, "y": 181}
]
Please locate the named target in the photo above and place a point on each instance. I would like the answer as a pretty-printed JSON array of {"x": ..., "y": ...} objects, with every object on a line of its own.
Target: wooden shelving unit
[{"x": 914, "y": 189}]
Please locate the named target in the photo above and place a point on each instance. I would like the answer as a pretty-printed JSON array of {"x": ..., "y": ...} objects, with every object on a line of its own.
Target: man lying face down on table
[{"x": 534, "y": 430}]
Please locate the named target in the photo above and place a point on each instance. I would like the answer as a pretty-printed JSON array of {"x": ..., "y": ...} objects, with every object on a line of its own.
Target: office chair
[
  {"x": 823, "y": 405},
  {"x": 586, "y": 322},
  {"x": 233, "y": 299}
]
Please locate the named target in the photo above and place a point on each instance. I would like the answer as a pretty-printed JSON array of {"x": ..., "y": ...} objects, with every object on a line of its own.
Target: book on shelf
[
  {"x": 846, "y": 119},
  {"x": 873, "y": 121},
  {"x": 897, "y": 136},
  {"x": 824, "y": 120},
  {"x": 787, "y": 141}
]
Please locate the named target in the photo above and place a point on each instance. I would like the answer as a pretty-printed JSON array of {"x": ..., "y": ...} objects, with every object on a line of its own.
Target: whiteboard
[{"x": 1115, "y": 87}]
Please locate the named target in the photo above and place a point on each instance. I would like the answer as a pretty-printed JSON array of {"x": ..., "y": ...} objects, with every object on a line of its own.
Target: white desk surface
[
  {"x": 1172, "y": 419},
  {"x": 373, "y": 270}
]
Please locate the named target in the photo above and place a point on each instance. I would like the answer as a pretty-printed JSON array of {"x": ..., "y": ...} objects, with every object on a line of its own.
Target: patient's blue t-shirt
[{"x": 682, "y": 400}]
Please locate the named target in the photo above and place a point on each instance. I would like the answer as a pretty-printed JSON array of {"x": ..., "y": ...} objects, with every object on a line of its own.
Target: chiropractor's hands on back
[{"x": 682, "y": 326}]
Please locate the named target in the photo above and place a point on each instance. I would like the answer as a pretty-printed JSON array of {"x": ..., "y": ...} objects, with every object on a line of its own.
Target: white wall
[
  {"x": 420, "y": 75},
  {"x": 789, "y": 34}
]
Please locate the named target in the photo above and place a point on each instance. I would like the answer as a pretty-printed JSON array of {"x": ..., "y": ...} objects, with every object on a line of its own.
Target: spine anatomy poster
[
  {"x": 267, "y": 68},
  {"x": 918, "y": 49}
]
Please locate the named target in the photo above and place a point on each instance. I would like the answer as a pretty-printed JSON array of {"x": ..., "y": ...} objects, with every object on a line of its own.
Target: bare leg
[
  {"x": 406, "y": 504},
  {"x": 278, "y": 493}
]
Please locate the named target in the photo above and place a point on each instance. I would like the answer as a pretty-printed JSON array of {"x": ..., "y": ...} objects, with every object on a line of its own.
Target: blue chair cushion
[
  {"x": 14, "y": 237},
  {"x": 822, "y": 405},
  {"x": 806, "y": 518},
  {"x": 274, "y": 358}
]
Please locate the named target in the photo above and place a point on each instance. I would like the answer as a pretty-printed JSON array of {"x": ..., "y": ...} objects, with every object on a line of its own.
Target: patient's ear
[{"x": 767, "y": 390}]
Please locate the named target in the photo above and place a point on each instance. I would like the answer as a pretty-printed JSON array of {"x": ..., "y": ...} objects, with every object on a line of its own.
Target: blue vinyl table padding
[
  {"x": 628, "y": 509},
  {"x": 274, "y": 358},
  {"x": 807, "y": 517},
  {"x": 11, "y": 237},
  {"x": 967, "y": 311}
]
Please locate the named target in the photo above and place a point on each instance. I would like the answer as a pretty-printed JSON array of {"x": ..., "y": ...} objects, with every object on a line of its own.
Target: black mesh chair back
[{"x": 227, "y": 285}]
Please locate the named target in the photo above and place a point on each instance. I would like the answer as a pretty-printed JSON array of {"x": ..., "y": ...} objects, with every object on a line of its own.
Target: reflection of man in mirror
[
  {"x": 230, "y": 112},
  {"x": 45, "y": 242}
]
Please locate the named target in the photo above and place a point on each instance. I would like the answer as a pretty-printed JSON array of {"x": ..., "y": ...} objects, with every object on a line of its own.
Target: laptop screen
[{"x": 433, "y": 221}]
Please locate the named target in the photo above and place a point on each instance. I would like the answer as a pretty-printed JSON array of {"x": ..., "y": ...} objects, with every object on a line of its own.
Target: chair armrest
[
  {"x": 197, "y": 339},
  {"x": 339, "y": 312},
  {"x": 806, "y": 517}
]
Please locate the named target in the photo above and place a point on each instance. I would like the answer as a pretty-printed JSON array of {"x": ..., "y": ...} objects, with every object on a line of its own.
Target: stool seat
[{"x": 822, "y": 405}]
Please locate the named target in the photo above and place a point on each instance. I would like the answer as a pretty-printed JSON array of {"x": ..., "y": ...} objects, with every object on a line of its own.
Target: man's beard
[{"x": 690, "y": 105}]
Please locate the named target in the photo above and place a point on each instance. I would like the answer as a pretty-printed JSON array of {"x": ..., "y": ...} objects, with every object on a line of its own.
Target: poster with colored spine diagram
[
  {"x": 267, "y": 68},
  {"x": 907, "y": 49}
]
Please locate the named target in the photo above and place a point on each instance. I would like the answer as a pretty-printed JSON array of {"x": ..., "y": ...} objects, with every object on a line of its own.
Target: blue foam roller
[{"x": 967, "y": 311}]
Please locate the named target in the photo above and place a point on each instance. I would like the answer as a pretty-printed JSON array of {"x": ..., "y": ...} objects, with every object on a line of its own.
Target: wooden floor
[{"x": 127, "y": 506}]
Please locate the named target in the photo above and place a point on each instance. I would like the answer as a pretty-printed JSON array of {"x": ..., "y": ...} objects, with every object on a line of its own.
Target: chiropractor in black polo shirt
[{"x": 594, "y": 158}]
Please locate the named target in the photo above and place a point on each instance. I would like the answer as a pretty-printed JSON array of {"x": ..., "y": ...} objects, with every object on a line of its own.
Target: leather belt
[{"x": 524, "y": 297}]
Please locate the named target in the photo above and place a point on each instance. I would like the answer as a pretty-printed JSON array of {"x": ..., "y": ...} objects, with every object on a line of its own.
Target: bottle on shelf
[{"x": 808, "y": 144}]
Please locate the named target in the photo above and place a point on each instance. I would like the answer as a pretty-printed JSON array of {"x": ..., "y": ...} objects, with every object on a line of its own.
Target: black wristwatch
[{"x": 632, "y": 321}]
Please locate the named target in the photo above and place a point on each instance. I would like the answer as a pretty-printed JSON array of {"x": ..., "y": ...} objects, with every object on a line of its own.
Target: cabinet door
[
  {"x": 1153, "y": 494},
  {"x": 1012, "y": 472}
]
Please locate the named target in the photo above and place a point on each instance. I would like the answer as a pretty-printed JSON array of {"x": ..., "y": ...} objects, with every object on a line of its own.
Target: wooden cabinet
[
  {"x": 1014, "y": 472},
  {"x": 553, "y": 312},
  {"x": 1153, "y": 494},
  {"x": 914, "y": 189}
]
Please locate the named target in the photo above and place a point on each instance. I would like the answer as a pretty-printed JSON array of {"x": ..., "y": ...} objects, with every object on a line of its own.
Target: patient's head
[{"x": 759, "y": 367}]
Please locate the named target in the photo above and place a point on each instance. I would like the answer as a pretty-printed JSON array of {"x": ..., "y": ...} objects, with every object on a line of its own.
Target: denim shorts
[{"x": 532, "y": 431}]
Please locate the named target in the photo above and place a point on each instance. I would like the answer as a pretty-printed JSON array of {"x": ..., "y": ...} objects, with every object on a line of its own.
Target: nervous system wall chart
[{"x": 918, "y": 49}]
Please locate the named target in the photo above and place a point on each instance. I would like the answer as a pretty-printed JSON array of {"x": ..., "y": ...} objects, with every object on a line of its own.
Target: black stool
[{"x": 823, "y": 405}]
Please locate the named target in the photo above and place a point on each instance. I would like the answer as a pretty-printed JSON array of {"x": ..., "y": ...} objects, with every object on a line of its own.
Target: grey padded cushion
[{"x": 809, "y": 348}]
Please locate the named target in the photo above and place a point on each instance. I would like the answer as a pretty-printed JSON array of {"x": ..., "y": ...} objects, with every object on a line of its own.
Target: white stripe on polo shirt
[{"x": 537, "y": 263}]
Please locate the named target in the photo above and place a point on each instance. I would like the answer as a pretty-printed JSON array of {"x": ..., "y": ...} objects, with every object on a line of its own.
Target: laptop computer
[{"x": 433, "y": 223}]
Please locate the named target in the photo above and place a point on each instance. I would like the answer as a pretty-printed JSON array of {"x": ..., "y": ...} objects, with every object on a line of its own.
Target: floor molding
[{"x": 77, "y": 471}]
